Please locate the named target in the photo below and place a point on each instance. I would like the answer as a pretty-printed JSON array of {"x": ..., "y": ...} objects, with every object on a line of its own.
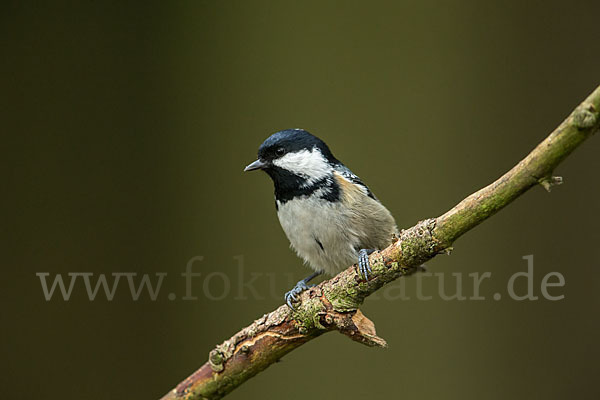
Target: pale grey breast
[{"x": 327, "y": 235}]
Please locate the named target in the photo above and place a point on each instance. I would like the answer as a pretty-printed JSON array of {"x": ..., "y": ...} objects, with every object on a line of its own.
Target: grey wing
[{"x": 346, "y": 173}]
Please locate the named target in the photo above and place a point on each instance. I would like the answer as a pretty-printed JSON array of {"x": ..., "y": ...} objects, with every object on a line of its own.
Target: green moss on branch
[{"x": 333, "y": 304}]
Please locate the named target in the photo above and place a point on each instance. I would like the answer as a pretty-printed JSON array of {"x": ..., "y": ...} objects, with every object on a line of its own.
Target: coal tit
[{"x": 329, "y": 215}]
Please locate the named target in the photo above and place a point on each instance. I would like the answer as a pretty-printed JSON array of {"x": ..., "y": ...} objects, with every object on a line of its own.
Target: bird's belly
[{"x": 318, "y": 231}]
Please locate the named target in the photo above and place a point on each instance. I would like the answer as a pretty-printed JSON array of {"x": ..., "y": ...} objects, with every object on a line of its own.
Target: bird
[{"x": 331, "y": 218}]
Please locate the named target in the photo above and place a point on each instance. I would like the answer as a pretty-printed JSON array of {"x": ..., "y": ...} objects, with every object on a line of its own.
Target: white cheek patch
[{"x": 308, "y": 164}]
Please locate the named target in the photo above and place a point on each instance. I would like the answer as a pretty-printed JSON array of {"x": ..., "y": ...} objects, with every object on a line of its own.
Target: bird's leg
[
  {"x": 364, "y": 267},
  {"x": 299, "y": 288}
]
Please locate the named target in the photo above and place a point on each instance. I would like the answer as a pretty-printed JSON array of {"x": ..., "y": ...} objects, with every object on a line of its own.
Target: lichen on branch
[{"x": 333, "y": 304}]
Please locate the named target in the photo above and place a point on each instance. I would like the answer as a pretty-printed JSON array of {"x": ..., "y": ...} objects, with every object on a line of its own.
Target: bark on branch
[{"x": 333, "y": 304}]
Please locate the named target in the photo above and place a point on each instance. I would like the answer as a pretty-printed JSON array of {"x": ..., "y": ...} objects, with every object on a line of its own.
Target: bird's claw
[
  {"x": 291, "y": 296},
  {"x": 364, "y": 267}
]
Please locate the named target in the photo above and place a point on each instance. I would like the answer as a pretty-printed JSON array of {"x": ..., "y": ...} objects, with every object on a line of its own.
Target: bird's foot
[
  {"x": 364, "y": 267},
  {"x": 291, "y": 296}
]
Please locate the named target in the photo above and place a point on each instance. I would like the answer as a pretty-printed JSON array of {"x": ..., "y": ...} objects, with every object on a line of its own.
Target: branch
[{"x": 333, "y": 304}]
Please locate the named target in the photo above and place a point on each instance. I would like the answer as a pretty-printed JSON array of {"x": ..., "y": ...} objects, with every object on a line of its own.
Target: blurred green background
[{"x": 125, "y": 131}]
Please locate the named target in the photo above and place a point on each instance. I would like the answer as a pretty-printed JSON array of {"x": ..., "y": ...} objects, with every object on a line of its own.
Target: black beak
[{"x": 258, "y": 164}]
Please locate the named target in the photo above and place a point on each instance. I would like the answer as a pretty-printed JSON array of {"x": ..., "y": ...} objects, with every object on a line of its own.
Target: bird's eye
[{"x": 280, "y": 151}]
